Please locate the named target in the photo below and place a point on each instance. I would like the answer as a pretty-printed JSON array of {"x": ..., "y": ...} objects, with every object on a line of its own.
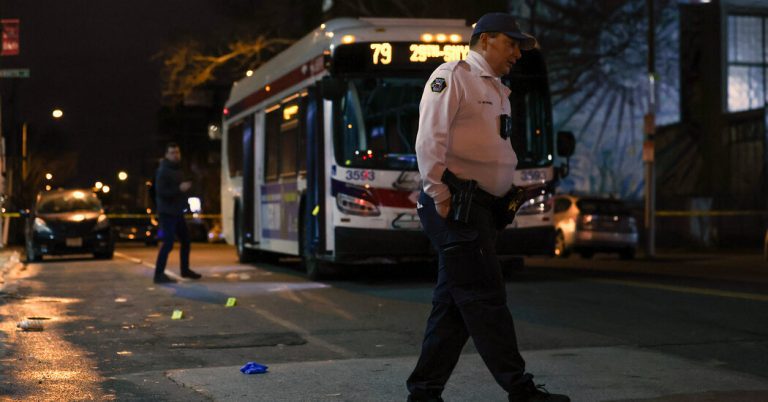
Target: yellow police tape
[
  {"x": 127, "y": 216},
  {"x": 665, "y": 214}
]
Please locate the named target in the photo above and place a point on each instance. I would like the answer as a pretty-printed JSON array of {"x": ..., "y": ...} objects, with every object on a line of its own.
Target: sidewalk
[{"x": 586, "y": 374}]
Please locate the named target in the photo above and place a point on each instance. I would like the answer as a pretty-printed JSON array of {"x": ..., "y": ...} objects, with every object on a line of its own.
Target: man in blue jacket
[{"x": 171, "y": 200}]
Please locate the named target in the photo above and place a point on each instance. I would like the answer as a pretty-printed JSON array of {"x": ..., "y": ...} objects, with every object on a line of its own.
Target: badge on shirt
[{"x": 438, "y": 85}]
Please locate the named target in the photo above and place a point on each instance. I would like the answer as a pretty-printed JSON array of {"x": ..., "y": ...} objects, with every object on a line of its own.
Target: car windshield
[
  {"x": 68, "y": 202},
  {"x": 602, "y": 207},
  {"x": 376, "y": 123}
]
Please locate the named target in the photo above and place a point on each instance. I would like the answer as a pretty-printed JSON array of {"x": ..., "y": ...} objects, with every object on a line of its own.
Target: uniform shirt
[{"x": 459, "y": 128}]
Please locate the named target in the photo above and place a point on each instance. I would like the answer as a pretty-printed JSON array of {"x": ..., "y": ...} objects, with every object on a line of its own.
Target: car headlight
[
  {"x": 101, "y": 223},
  {"x": 41, "y": 227},
  {"x": 537, "y": 205}
]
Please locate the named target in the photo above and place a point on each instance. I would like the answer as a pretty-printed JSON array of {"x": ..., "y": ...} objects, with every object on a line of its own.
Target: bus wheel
[
  {"x": 243, "y": 254},
  {"x": 316, "y": 269}
]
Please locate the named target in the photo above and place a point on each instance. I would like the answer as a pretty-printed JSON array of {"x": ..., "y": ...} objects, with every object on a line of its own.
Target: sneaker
[
  {"x": 536, "y": 393},
  {"x": 164, "y": 279},
  {"x": 191, "y": 274}
]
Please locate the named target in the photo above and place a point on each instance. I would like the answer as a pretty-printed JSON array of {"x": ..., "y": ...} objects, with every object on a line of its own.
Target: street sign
[{"x": 14, "y": 73}]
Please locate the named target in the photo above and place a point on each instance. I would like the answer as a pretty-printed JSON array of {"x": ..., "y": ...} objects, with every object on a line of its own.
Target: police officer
[{"x": 462, "y": 131}]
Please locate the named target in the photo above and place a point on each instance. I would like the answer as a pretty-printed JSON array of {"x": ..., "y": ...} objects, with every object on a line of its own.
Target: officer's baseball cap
[{"x": 506, "y": 24}]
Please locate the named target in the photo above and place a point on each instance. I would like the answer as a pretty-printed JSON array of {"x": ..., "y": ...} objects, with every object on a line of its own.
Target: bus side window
[
  {"x": 272, "y": 146},
  {"x": 289, "y": 135},
  {"x": 235, "y": 148}
]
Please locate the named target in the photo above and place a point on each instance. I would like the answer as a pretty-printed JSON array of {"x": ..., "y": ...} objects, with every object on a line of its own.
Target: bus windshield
[
  {"x": 376, "y": 121},
  {"x": 532, "y": 136},
  {"x": 532, "y": 124}
]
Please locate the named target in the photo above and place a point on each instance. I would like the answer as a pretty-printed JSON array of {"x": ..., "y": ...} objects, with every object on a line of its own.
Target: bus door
[
  {"x": 280, "y": 192},
  {"x": 314, "y": 205},
  {"x": 248, "y": 197}
]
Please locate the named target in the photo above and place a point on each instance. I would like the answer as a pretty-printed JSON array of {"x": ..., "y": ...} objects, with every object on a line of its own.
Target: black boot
[
  {"x": 163, "y": 278},
  {"x": 536, "y": 393},
  {"x": 190, "y": 274}
]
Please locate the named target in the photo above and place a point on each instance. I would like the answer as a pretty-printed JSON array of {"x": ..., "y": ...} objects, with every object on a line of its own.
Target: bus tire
[
  {"x": 244, "y": 254},
  {"x": 314, "y": 267}
]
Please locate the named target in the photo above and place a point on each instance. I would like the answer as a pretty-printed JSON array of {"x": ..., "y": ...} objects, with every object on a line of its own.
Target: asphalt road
[{"x": 109, "y": 333}]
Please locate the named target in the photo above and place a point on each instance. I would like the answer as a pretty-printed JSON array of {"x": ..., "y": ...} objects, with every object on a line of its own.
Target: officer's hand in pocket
[{"x": 443, "y": 208}]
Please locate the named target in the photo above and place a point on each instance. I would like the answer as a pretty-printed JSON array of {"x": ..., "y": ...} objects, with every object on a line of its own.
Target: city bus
[{"x": 318, "y": 155}]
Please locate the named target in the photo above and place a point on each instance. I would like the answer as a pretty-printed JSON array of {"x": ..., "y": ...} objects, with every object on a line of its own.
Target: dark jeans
[
  {"x": 469, "y": 300},
  {"x": 172, "y": 226}
]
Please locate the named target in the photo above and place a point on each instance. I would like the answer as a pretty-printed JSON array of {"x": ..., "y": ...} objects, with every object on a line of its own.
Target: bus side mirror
[
  {"x": 566, "y": 144},
  {"x": 332, "y": 88}
]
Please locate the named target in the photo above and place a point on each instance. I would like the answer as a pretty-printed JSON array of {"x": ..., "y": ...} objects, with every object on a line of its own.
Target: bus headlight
[{"x": 356, "y": 206}]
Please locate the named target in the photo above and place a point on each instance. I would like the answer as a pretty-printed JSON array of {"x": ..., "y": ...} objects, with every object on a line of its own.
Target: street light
[
  {"x": 98, "y": 185},
  {"x": 48, "y": 176},
  {"x": 105, "y": 189},
  {"x": 57, "y": 113},
  {"x": 122, "y": 176}
]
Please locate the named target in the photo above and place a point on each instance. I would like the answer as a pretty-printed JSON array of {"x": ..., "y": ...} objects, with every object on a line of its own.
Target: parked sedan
[
  {"x": 134, "y": 224},
  {"x": 593, "y": 224},
  {"x": 68, "y": 222}
]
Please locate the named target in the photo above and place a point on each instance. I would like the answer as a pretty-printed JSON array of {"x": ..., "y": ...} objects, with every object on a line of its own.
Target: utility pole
[{"x": 649, "y": 129}]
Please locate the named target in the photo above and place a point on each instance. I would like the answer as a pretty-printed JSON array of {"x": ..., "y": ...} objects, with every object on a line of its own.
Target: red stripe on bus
[
  {"x": 393, "y": 198},
  {"x": 309, "y": 69}
]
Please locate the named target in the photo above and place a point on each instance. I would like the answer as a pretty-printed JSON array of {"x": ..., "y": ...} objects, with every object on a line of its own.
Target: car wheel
[
  {"x": 105, "y": 255},
  {"x": 560, "y": 249},
  {"x": 32, "y": 256},
  {"x": 628, "y": 254},
  {"x": 587, "y": 254}
]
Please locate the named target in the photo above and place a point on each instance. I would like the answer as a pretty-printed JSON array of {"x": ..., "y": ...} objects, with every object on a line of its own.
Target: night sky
[{"x": 94, "y": 60}]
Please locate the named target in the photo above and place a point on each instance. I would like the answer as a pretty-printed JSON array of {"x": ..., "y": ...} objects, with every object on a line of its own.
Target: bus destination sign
[{"x": 383, "y": 56}]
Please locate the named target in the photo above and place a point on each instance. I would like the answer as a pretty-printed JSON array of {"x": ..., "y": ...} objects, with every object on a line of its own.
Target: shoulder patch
[{"x": 438, "y": 85}]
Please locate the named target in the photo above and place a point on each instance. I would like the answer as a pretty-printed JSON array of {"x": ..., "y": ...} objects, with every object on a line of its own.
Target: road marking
[
  {"x": 687, "y": 289},
  {"x": 268, "y": 316},
  {"x": 303, "y": 332},
  {"x": 146, "y": 264}
]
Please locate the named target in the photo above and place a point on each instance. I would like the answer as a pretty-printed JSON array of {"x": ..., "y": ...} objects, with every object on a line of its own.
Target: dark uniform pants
[
  {"x": 469, "y": 300},
  {"x": 172, "y": 226}
]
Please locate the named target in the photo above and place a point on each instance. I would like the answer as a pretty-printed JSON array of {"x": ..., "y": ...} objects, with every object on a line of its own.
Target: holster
[
  {"x": 510, "y": 203},
  {"x": 462, "y": 194}
]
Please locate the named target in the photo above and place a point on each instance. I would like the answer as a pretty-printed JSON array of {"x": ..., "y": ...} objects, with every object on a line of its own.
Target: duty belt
[{"x": 465, "y": 193}]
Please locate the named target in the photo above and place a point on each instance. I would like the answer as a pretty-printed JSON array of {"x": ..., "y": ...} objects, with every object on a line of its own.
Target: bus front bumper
[{"x": 358, "y": 244}]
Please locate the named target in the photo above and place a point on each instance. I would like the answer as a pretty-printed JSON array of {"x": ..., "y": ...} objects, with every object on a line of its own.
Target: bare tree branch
[{"x": 188, "y": 67}]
